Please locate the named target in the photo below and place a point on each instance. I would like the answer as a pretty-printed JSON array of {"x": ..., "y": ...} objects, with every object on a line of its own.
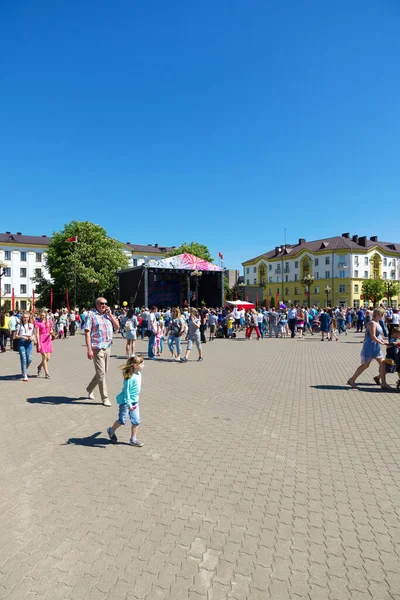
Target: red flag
[
  {"x": 51, "y": 299},
  {"x": 33, "y": 301},
  {"x": 74, "y": 238},
  {"x": 220, "y": 255},
  {"x": 67, "y": 299},
  {"x": 276, "y": 299},
  {"x": 13, "y": 300}
]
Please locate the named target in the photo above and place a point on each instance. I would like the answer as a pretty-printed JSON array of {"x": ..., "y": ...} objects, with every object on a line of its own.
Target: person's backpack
[{"x": 128, "y": 325}]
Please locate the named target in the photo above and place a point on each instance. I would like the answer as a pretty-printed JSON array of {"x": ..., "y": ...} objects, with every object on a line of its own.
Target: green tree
[
  {"x": 97, "y": 258},
  {"x": 195, "y": 248},
  {"x": 374, "y": 290},
  {"x": 391, "y": 289},
  {"x": 234, "y": 293}
]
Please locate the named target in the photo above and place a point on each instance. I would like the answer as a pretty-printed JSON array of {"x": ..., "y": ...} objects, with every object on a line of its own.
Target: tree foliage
[
  {"x": 373, "y": 290},
  {"x": 391, "y": 289},
  {"x": 195, "y": 248},
  {"x": 97, "y": 257}
]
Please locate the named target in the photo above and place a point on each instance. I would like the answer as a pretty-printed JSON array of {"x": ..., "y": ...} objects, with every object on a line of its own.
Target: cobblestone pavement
[{"x": 262, "y": 476}]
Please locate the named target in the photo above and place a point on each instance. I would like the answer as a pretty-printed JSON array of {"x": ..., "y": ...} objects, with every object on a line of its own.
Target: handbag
[
  {"x": 52, "y": 334},
  {"x": 15, "y": 345}
]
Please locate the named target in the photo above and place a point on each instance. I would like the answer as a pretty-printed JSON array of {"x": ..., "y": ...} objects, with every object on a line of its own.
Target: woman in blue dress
[{"x": 372, "y": 349}]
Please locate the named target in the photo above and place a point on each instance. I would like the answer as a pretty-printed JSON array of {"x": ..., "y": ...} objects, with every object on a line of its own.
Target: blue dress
[{"x": 371, "y": 349}]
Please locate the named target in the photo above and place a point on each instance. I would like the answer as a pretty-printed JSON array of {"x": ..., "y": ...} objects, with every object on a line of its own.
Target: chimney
[
  {"x": 374, "y": 238},
  {"x": 355, "y": 239},
  {"x": 19, "y": 233},
  {"x": 302, "y": 241},
  {"x": 150, "y": 245},
  {"x": 155, "y": 245},
  {"x": 44, "y": 236},
  {"x": 128, "y": 243},
  {"x": 8, "y": 232},
  {"x": 277, "y": 249},
  {"x": 346, "y": 235},
  {"x": 363, "y": 241}
]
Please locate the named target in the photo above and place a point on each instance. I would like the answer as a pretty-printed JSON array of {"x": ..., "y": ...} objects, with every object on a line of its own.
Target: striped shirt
[{"x": 101, "y": 329}]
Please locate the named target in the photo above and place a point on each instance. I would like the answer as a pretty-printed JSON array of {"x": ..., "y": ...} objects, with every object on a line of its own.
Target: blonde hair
[
  {"x": 177, "y": 311},
  {"x": 129, "y": 368},
  {"x": 378, "y": 311}
]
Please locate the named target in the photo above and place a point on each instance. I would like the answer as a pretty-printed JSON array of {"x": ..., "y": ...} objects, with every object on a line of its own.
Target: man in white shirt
[
  {"x": 152, "y": 326},
  {"x": 292, "y": 319}
]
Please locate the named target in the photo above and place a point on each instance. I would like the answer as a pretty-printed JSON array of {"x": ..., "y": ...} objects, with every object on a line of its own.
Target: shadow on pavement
[
  {"x": 61, "y": 400},
  {"x": 10, "y": 377},
  {"x": 93, "y": 441},
  {"x": 362, "y": 387}
]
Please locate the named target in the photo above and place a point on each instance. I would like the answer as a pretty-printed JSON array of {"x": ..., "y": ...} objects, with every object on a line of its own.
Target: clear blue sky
[{"x": 216, "y": 121}]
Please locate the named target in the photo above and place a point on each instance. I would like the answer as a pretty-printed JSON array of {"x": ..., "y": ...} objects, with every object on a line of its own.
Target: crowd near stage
[{"x": 182, "y": 280}]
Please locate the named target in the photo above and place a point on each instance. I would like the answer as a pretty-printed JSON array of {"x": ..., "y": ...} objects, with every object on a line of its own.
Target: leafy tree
[
  {"x": 391, "y": 289},
  {"x": 97, "y": 257},
  {"x": 195, "y": 248},
  {"x": 234, "y": 293},
  {"x": 373, "y": 289},
  {"x": 272, "y": 302}
]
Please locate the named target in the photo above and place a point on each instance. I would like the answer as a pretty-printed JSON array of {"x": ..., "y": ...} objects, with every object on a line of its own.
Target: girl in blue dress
[{"x": 372, "y": 349}]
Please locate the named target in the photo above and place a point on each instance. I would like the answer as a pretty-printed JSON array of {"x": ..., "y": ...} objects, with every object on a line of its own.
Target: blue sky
[{"x": 220, "y": 122}]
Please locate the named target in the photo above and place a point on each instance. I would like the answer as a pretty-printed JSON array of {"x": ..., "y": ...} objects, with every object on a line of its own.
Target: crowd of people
[{"x": 26, "y": 330}]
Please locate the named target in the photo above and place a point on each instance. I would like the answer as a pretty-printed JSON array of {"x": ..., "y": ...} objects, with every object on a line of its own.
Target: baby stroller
[
  {"x": 316, "y": 326},
  {"x": 392, "y": 364}
]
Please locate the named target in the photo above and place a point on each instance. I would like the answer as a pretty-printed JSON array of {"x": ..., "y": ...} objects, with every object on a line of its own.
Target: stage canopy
[
  {"x": 184, "y": 261},
  {"x": 239, "y": 304}
]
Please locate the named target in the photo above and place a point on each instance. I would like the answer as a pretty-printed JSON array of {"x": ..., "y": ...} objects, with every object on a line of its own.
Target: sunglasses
[{"x": 103, "y": 303}]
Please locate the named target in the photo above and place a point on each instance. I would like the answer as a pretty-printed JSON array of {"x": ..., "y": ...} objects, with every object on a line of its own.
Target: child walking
[{"x": 128, "y": 400}]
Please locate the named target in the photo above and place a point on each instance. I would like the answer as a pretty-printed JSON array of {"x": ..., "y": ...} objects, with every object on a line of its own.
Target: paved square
[{"x": 262, "y": 476}]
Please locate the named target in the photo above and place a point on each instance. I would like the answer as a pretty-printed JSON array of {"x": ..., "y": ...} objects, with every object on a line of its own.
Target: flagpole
[{"x": 75, "y": 275}]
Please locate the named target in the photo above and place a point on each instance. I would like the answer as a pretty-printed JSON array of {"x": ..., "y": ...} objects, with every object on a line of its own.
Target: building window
[
  {"x": 366, "y": 260},
  {"x": 296, "y": 291},
  {"x": 7, "y": 272},
  {"x": 269, "y": 267},
  {"x": 38, "y": 272},
  {"x": 23, "y": 256},
  {"x": 7, "y": 288},
  {"x": 392, "y": 274},
  {"x": 255, "y": 280},
  {"x": 394, "y": 262},
  {"x": 356, "y": 261},
  {"x": 254, "y": 269},
  {"x": 270, "y": 280},
  {"x": 316, "y": 262},
  {"x": 134, "y": 262},
  {"x": 247, "y": 270},
  {"x": 22, "y": 272},
  {"x": 39, "y": 257},
  {"x": 7, "y": 255},
  {"x": 355, "y": 273},
  {"x": 270, "y": 292},
  {"x": 365, "y": 274},
  {"x": 327, "y": 260},
  {"x": 247, "y": 281},
  {"x": 316, "y": 275},
  {"x": 287, "y": 291},
  {"x": 342, "y": 274},
  {"x": 287, "y": 267},
  {"x": 342, "y": 288},
  {"x": 316, "y": 289},
  {"x": 262, "y": 280},
  {"x": 385, "y": 262},
  {"x": 23, "y": 304},
  {"x": 286, "y": 277},
  {"x": 385, "y": 275},
  {"x": 356, "y": 288},
  {"x": 296, "y": 277},
  {"x": 22, "y": 289},
  {"x": 278, "y": 291},
  {"x": 296, "y": 264},
  {"x": 327, "y": 274}
]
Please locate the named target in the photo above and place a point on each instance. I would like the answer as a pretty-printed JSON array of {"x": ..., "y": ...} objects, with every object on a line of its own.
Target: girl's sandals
[
  {"x": 386, "y": 386},
  {"x": 39, "y": 370},
  {"x": 352, "y": 384}
]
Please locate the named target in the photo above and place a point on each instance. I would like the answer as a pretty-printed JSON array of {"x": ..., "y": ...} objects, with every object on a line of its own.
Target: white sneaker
[
  {"x": 90, "y": 395},
  {"x": 106, "y": 402},
  {"x": 25, "y": 378}
]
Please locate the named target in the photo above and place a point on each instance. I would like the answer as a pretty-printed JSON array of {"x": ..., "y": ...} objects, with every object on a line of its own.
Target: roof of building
[
  {"x": 43, "y": 240},
  {"x": 18, "y": 238},
  {"x": 339, "y": 242}
]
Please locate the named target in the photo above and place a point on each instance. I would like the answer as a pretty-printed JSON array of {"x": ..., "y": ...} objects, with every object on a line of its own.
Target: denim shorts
[{"x": 124, "y": 411}]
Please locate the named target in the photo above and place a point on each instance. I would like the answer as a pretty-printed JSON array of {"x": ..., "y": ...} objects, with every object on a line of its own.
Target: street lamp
[
  {"x": 280, "y": 250},
  {"x": 308, "y": 280},
  {"x": 3, "y": 267},
  {"x": 327, "y": 292}
]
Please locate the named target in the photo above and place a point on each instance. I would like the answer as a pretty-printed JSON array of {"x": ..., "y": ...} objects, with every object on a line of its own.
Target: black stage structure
[{"x": 154, "y": 283}]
